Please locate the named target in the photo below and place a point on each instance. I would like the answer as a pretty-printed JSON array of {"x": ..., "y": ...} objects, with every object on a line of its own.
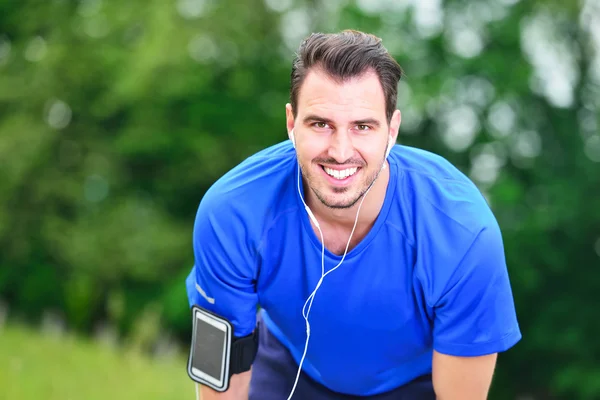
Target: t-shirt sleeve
[
  {"x": 476, "y": 313},
  {"x": 223, "y": 278}
]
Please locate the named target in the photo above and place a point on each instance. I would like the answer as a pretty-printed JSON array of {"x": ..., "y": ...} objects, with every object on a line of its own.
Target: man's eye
[
  {"x": 321, "y": 125},
  {"x": 363, "y": 127}
]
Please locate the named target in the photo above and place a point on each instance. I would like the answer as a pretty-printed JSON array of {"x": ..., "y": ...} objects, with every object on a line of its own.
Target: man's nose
[{"x": 341, "y": 148}]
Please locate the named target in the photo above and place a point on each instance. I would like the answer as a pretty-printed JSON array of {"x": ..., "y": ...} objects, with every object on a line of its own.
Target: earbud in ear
[
  {"x": 292, "y": 138},
  {"x": 390, "y": 145}
]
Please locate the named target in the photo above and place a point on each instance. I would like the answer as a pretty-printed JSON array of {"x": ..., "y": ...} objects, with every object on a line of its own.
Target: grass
[{"x": 38, "y": 366}]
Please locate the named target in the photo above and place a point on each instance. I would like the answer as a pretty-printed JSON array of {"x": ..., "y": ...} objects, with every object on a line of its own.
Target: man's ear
[
  {"x": 395, "y": 124},
  {"x": 289, "y": 119}
]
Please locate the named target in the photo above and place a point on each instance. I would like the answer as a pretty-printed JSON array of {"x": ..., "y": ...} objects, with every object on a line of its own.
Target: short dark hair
[{"x": 345, "y": 55}]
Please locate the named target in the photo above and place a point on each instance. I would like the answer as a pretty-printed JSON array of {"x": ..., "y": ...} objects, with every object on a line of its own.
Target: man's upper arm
[
  {"x": 474, "y": 319},
  {"x": 475, "y": 315},
  {"x": 224, "y": 274}
]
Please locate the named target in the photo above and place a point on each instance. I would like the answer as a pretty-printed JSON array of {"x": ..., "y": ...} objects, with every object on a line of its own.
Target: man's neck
[{"x": 345, "y": 217}]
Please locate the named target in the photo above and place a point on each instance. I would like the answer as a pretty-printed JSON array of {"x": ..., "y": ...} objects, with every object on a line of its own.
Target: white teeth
[{"x": 340, "y": 174}]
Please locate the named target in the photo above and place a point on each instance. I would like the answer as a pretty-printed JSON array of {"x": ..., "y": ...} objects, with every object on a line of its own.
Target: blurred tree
[{"x": 115, "y": 118}]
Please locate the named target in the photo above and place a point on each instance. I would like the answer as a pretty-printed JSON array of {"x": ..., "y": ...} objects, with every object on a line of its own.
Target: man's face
[{"x": 341, "y": 135}]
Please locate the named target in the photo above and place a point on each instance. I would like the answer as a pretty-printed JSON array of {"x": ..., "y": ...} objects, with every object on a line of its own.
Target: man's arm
[
  {"x": 474, "y": 319},
  {"x": 238, "y": 389},
  {"x": 223, "y": 279},
  {"x": 462, "y": 378}
]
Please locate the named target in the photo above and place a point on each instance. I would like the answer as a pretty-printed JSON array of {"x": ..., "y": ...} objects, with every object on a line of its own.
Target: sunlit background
[{"x": 116, "y": 116}]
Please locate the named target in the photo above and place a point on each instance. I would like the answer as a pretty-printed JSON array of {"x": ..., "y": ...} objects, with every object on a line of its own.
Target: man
[{"x": 412, "y": 299}]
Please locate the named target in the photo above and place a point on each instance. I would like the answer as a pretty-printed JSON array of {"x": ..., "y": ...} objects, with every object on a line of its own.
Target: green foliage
[{"x": 116, "y": 117}]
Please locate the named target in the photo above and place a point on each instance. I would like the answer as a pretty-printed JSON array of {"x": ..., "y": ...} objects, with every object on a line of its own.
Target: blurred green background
[{"x": 116, "y": 116}]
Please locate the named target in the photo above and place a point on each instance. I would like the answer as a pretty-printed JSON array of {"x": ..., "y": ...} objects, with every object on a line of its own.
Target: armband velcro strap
[{"x": 243, "y": 351}]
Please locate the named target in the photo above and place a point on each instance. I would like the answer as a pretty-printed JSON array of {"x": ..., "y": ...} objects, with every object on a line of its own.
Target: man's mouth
[{"x": 340, "y": 173}]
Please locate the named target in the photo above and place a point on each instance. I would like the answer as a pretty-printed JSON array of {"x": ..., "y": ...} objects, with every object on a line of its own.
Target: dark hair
[{"x": 345, "y": 55}]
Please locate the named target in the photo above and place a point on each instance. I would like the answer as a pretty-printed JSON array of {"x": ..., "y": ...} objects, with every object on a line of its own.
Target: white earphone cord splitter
[{"x": 311, "y": 298}]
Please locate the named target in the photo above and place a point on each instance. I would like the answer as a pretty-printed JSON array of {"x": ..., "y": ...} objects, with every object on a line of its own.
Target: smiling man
[{"x": 379, "y": 268}]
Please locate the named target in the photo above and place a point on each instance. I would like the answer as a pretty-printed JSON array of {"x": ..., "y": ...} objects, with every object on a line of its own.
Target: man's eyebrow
[
  {"x": 316, "y": 118},
  {"x": 366, "y": 121}
]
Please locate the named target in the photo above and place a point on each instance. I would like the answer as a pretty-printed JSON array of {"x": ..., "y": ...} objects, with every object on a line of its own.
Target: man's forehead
[{"x": 320, "y": 91}]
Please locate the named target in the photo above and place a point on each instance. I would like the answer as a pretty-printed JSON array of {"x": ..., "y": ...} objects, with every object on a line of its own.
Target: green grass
[{"x": 37, "y": 366}]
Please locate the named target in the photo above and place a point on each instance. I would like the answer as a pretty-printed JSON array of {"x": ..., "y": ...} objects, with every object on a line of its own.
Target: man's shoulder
[
  {"x": 447, "y": 211},
  {"x": 255, "y": 188},
  {"x": 428, "y": 166},
  {"x": 437, "y": 190}
]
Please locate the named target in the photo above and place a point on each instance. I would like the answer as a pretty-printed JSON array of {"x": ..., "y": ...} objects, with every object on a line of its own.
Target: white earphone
[
  {"x": 293, "y": 139},
  {"x": 305, "y": 313},
  {"x": 390, "y": 146}
]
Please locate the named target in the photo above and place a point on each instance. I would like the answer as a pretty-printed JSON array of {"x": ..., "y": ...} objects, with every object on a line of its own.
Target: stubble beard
[{"x": 346, "y": 203}]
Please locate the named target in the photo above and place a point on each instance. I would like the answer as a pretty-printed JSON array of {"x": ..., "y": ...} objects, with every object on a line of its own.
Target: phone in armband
[{"x": 215, "y": 354}]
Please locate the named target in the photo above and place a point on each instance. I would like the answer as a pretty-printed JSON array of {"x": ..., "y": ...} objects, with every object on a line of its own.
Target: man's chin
[
  {"x": 341, "y": 206},
  {"x": 338, "y": 201}
]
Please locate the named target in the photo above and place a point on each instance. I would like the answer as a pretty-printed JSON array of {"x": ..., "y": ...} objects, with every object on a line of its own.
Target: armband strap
[{"x": 243, "y": 351}]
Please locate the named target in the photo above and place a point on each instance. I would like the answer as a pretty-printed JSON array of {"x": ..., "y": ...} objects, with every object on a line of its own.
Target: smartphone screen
[{"x": 210, "y": 348}]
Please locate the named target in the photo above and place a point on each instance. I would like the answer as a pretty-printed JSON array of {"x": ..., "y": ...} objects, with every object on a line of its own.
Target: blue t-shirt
[{"x": 430, "y": 274}]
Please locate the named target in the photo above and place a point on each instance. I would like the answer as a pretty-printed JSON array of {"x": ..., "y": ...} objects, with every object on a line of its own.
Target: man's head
[{"x": 342, "y": 113}]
